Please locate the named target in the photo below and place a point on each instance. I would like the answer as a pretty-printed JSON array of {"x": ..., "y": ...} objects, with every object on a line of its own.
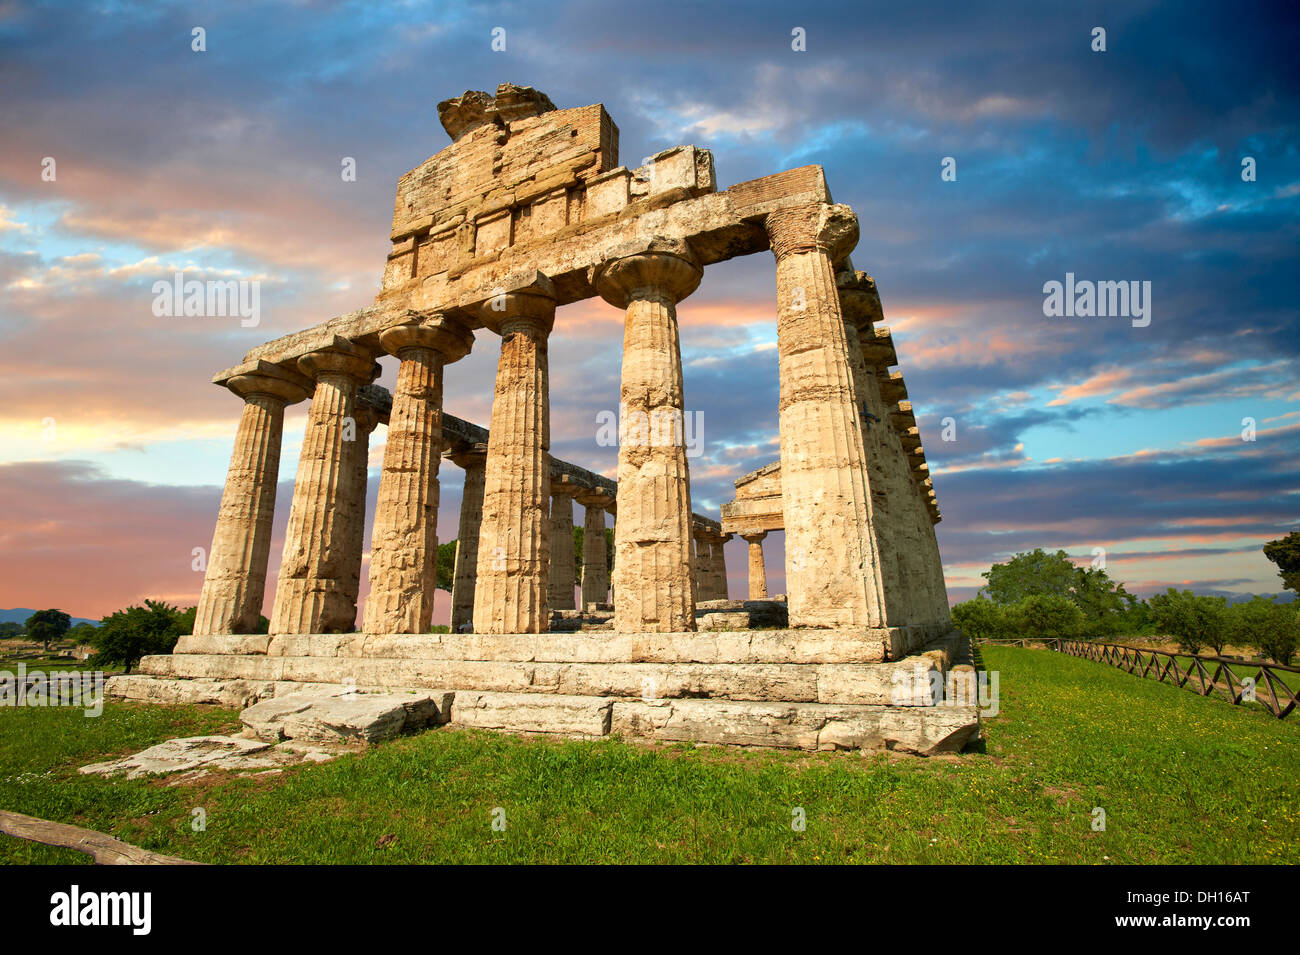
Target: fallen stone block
[
  {"x": 203, "y": 753},
  {"x": 151, "y": 689},
  {"x": 344, "y": 714}
]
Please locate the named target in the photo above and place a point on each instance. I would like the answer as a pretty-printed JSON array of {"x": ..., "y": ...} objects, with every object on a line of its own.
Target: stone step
[
  {"x": 759, "y": 646},
  {"x": 809, "y": 726},
  {"x": 915, "y": 681}
]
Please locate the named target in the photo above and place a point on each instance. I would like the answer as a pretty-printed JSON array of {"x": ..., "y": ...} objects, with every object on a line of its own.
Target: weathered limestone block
[
  {"x": 235, "y": 580},
  {"x": 341, "y": 715},
  {"x": 474, "y": 463},
  {"x": 223, "y": 643},
  {"x": 514, "y": 539},
  {"x": 726, "y": 620},
  {"x": 533, "y": 713},
  {"x": 807, "y": 726},
  {"x": 404, "y": 541},
  {"x": 832, "y": 570},
  {"x": 653, "y": 577},
  {"x": 595, "y": 569},
  {"x": 145, "y": 688},
  {"x": 563, "y": 568},
  {"x": 311, "y": 594},
  {"x": 201, "y": 753}
]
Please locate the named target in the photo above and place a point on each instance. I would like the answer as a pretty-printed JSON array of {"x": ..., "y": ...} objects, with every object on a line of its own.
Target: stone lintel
[{"x": 717, "y": 226}]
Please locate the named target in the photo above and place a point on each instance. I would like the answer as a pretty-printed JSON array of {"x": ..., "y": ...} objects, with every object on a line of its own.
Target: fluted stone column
[
  {"x": 860, "y": 304},
  {"x": 653, "y": 580},
  {"x": 832, "y": 572},
  {"x": 757, "y": 568},
  {"x": 720, "y": 567},
  {"x": 311, "y": 595},
  {"x": 563, "y": 572},
  {"x": 915, "y": 527},
  {"x": 473, "y": 462},
  {"x": 595, "y": 572},
  {"x": 404, "y": 541},
  {"x": 514, "y": 541},
  {"x": 353, "y": 506},
  {"x": 234, "y": 583},
  {"x": 703, "y": 584}
]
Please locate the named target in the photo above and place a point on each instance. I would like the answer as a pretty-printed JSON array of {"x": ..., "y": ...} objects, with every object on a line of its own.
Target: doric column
[
  {"x": 352, "y": 507},
  {"x": 404, "y": 541},
  {"x": 653, "y": 577},
  {"x": 563, "y": 573},
  {"x": 860, "y": 303},
  {"x": 473, "y": 461},
  {"x": 235, "y": 581},
  {"x": 722, "y": 590},
  {"x": 832, "y": 573},
  {"x": 757, "y": 569},
  {"x": 311, "y": 596},
  {"x": 595, "y": 571},
  {"x": 924, "y": 589},
  {"x": 701, "y": 563},
  {"x": 514, "y": 541}
]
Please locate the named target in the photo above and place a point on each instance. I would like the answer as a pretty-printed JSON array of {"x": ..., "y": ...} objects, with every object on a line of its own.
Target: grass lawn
[{"x": 1181, "y": 779}]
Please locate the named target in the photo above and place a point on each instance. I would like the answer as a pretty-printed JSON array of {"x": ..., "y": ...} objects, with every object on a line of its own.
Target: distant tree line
[{"x": 1040, "y": 596}]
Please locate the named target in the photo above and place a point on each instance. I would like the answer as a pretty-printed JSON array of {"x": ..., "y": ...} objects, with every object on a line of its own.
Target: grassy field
[{"x": 1181, "y": 779}]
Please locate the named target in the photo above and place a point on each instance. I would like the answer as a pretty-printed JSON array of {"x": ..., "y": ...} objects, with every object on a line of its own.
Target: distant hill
[{"x": 20, "y": 615}]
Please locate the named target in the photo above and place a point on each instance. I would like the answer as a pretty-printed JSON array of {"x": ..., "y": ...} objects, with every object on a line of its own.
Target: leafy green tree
[
  {"x": 1195, "y": 621},
  {"x": 1046, "y": 616},
  {"x": 81, "y": 633},
  {"x": 1028, "y": 574},
  {"x": 1261, "y": 622},
  {"x": 980, "y": 619},
  {"x": 122, "y": 638},
  {"x": 11, "y": 628},
  {"x": 47, "y": 626},
  {"x": 446, "y": 565},
  {"x": 1285, "y": 552}
]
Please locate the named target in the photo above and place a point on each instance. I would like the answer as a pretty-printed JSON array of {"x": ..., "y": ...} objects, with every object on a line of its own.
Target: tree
[
  {"x": 1285, "y": 552},
  {"x": 81, "y": 633},
  {"x": 1271, "y": 627},
  {"x": 127, "y": 635},
  {"x": 1046, "y": 616},
  {"x": 446, "y": 565},
  {"x": 46, "y": 626},
  {"x": 1035, "y": 572},
  {"x": 1195, "y": 621},
  {"x": 1103, "y": 602}
]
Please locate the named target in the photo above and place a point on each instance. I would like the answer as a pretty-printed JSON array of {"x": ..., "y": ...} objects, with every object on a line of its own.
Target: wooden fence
[{"x": 1205, "y": 675}]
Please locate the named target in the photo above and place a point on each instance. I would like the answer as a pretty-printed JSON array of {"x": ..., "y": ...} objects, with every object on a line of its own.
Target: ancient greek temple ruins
[{"x": 528, "y": 209}]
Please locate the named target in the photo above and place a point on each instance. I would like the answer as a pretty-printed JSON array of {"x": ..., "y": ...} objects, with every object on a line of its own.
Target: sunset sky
[{"x": 1072, "y": 433}]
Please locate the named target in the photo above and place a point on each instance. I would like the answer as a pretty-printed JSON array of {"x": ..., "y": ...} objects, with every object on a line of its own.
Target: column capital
[
  {"x": 341, "y": 358},
  {"x": 754, "y": 537},
  {"x": 859, "y": 300},
  {"x": 273, "y": 381},
  {"x": 432, "y": 330},
  {"x": 830, "y": 228},
  {"x": 666, "y": 268},
  {"x": 521, "y": 303},
  {"x": 591, "y": 498},
  {"x": 469, "y": 457},
  {"x": 892, "y": 388},
  {"x": 562, "y": 485}
]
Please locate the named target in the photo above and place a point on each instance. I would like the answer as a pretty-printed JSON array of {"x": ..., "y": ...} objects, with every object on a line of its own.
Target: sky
[{"x": 1169, "y": 444}]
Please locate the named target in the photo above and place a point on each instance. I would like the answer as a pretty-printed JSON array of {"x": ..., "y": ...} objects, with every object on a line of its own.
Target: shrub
[{"x": 980, "y": 619}]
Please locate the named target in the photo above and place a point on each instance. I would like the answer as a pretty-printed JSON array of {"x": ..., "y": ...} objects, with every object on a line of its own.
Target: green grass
[{"x": 1181, "y": 778}]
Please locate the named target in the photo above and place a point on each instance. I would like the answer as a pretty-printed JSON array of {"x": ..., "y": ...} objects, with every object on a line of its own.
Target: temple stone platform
[{"x": 808, "y": 689}]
